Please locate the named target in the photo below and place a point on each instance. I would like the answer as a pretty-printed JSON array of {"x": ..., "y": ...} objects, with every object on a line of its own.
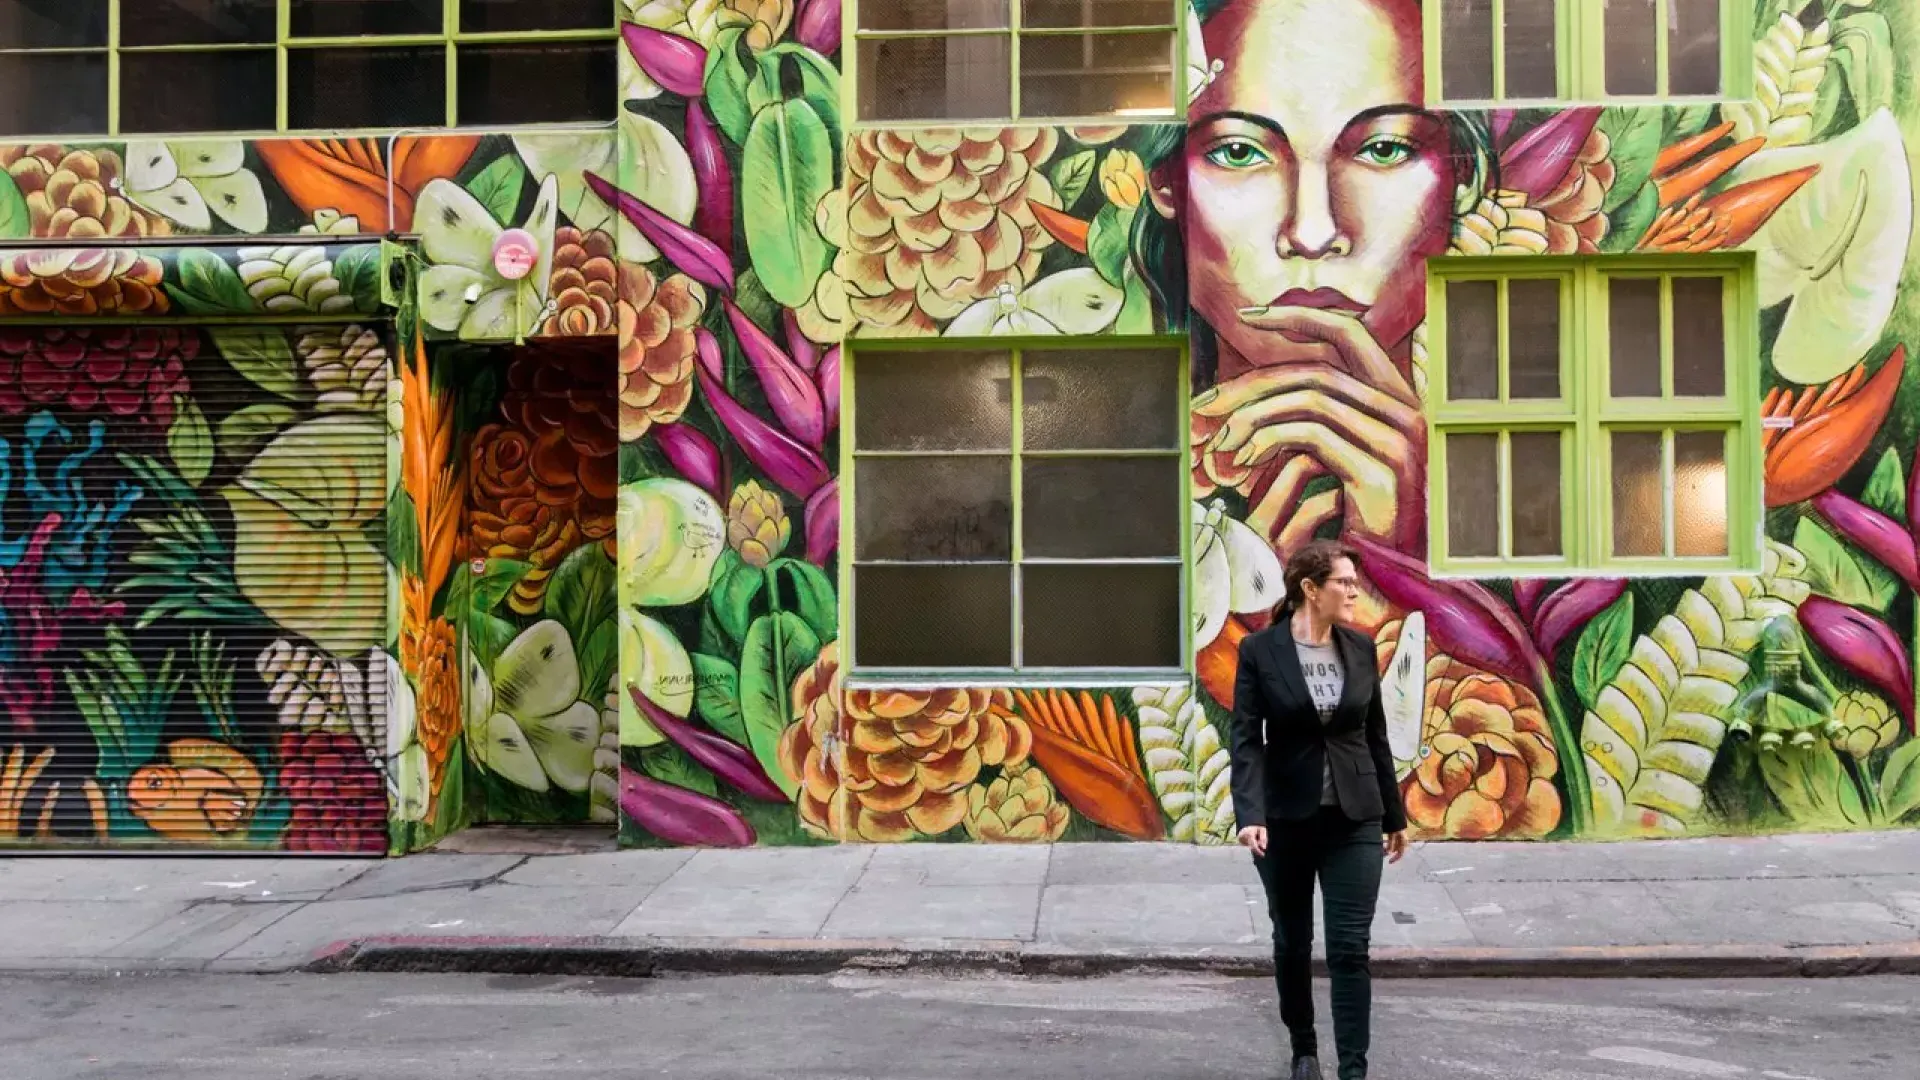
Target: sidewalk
[{"x": 1788, "y": 905}]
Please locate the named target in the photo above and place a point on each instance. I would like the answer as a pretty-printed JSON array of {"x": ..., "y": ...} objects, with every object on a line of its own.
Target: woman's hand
[
  {"x": 1336, "y": 403},
  {"x": 1254, "y": 839},
  {"x": 1395, "y": 844}
]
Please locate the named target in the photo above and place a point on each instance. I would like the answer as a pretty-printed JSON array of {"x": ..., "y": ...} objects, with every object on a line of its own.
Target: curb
[{"x": 648, "y": 957}]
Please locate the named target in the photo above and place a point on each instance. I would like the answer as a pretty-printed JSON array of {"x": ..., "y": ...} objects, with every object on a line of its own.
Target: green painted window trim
[
  {"x": 1580, "y": 49},
  {"x": 1016, "y": 675},
  {"x": 450, "y": 39},
  {"x": 1586, "y": 413},
  {"x": 852, "y": 36}
]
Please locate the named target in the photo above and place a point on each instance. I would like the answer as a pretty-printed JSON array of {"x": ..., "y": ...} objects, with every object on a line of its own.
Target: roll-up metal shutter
[{"x": 193, "y": 587}]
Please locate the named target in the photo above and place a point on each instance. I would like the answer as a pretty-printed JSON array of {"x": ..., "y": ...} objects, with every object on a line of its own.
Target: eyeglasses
[{"x": 1351, "y": 584}]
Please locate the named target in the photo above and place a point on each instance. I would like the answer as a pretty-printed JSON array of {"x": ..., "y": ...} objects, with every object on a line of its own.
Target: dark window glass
[
  {"x": 958, "y": 78},
  {"x": 1100, "y": 616},
  {"x": 933, "y": 616},
  {"x": 197, "y": 22},
  {"x": 1095, "y": 74},
  {"x": 498, "y": 16},
  {"x": 366, "y": 88},
  {"x": 933, "y": 15},
  {"x": 1107, "y": 399},
  {"x": 537, "y": 84},
  {"x": 1101, "y": 508},
  {"x": 1466, "y": 50},
  {"x": 53, "y": 24},
  {"x": 53, "y": 94},
  {"x": 213, "y": 91},
  {"x": 363, "y": 18},
  {"x": 1073, "y": 13}
]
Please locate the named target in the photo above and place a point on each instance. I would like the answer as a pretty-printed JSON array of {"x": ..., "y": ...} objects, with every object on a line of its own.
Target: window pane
[
  {"x": 1103, "y": 400},
  {"x": 1095, "y": 74},
  {"x": 934, "y": 508},
  {"x": 1693, "y": 47},
  {"x": 933, "y": 616},
  {"x": 494, "y": 16},
  {"x": 361, "y": 18},
  {"x": 1700, "y": 493},
  {"x": 548, "y": 83},
  {"x": 1531, "y": 50},
  {"x": 213, "y": 91},
  {"x": 366, "y": 88},
  {"x": 933, "y": 401},
  {"x": 1473, "y": 340},
  {"x": 1466, "y": 50},
  {"x": 1533, "y": 339},
  {"x": 1473, "y": 496},
  {"x": 1100, "y": 616},
  {"x": 1095, "y": 508},
  {"x": 1699, "y": 337},
  {"x": 1633, "y": 327},
  {"x": 1639, "y": 499},
  {"x": 197, "y": 22},
  {"x": 54, "y": 94},
  {"x": 933, "y": 15},
  {"x": 1097, "y": 12},
  {"x": 1631, "y": 29},
  {"x": 968, "y": 78},
  {"x": 1534, "y": 502},
  {"x": 53, "y": 24}
]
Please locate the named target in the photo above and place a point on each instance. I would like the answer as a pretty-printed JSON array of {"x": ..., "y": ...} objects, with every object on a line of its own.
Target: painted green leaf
[
  {"x": 598, "y": 659},
  {"x": 808, "y": 593},
  {"x": 450, "y": 812},
  {"x": 1900, "y": 781},
  {"x": 1887, "y": 487},
  {"x": 357, "y": 269},
  {"x": 732, "y": 597},
  {"x": 470, "y": 594},
  {"x": 583, "y": 592},
  {"x": 244, "y": 432},
  {"x": 778, "y": 647},
  {"x": 1603, "y": 647},
  {"x": 791, "y": 70},
  {"x": 488, "y": 636},
  {"x": 1635, "y": 135},
  {"x": 787, "y": 165},
  {"x": 206, "y": 285},
  {"x": 1809, "y": 782},
  {"x": 264, "y": 356},
  {"x": 403, "y": 532},
  {"x": 716, "y": 696},
  {"x": 730, "y": 70},
  {"x": 1863, "y": 47},
  {"x": 1628, "y": 223},
  {"x": 1070, "y": 176},
  {"x": 498, "y": 186},
  {"x": 1109, "y": 243},
  {"x": 669, "y": 764},
  {"x": 1835, "y": 571},
  {"x": 190, "y": 441},
  {"x": 15, "y": 219},
  {"x": 1136, "y": 310}
]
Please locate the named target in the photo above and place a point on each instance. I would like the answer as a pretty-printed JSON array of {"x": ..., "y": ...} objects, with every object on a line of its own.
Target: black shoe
[{"x": 1305, "y": 1068}]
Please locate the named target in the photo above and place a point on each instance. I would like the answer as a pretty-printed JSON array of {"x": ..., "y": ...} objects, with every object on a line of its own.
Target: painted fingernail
[
  {"x": 1257, "y": 309},
  {"x": 1206, "y": 398}
]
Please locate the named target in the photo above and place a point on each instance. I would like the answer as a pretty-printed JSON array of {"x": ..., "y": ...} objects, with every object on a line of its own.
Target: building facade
[{"x": 791, "y": 421}]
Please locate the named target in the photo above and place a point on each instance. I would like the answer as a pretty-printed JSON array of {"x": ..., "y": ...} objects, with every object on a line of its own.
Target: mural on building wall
[{"x": 1778, "y": 701}]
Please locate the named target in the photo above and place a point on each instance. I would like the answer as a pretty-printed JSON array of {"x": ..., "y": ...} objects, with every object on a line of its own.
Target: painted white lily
[
  {"x": 461, "y": 290},
  {"x": 407, "y": 780},
  {"x": 653, "y": 659},
  {"x": 1403, "y": 693},
  {"x": 190, "y": 182},
  {"x": 1235, "y": 571},
  {"x": 1077, "y": 301},
  {"x": 526, "y": 721},
  {"x": 644, "y": 158}
]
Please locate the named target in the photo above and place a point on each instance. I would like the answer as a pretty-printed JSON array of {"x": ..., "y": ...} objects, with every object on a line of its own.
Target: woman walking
[{"x": 1315, "y": 795}]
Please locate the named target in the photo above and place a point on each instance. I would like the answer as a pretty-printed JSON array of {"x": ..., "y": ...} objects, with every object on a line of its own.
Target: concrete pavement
[{"x": 1842, "y": 904}]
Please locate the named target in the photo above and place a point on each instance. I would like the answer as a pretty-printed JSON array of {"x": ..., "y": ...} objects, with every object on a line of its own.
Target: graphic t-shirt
[{"x": 1320, "y": 664}]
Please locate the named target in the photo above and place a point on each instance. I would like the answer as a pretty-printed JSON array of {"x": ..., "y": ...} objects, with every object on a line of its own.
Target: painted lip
[{"x": 1323, "y": 299}]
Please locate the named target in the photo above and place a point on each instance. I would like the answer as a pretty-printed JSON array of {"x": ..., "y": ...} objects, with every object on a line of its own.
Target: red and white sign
[{"x": 514, "y": 254}]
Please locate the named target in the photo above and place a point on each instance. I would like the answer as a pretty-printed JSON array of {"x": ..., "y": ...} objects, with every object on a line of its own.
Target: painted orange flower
[
  {"x": 1832, "y": 426},
  {"x": 352, "y": 176},
  {"x": 1487, "y": 770}
]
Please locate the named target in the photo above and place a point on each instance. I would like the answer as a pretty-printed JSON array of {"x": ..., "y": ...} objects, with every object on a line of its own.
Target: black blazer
[{"x": 1279, "y": 744}]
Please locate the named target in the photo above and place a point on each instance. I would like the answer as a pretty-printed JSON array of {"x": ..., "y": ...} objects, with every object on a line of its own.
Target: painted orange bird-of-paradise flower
[
  {"x": 351, "y": 175},
  {"x": 1088, "y": 752},
  {"x": 1831, "y": 427},
  {"x": 1689, "y": 220}
]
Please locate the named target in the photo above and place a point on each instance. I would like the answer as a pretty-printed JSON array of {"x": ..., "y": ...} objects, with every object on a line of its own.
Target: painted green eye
[
  {"x": 1384, "y": 152},
  {"x": 1237, "y": 154}
]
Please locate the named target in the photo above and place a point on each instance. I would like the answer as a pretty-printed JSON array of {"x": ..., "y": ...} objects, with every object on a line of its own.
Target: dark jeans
[{"x": 1347, "y": 858}]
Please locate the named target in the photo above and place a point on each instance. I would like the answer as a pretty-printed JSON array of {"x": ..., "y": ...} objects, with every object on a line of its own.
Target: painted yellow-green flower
[
  {"x": 1866, "y": 723},
  {"x": 461, "y": 290},
  {"x": 757, "y": 524},
  {"x": 1123, "y": 178}
]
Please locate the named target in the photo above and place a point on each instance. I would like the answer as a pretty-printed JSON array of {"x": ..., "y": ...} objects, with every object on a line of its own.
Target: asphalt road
[{"x": 922, "y": 1027}]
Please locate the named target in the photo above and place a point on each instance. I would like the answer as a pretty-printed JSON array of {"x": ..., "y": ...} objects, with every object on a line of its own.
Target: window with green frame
[
  {"x": 933, "y": 60},
  {"x": 1593, "y": 414},
  {"x": 109, "y": 67},
  {"x": 1017, "y": 511},
  {"x": 1583, "y": 50}
]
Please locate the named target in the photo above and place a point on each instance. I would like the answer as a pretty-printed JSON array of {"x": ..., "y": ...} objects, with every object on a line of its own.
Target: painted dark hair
[
  {"x": 1313, "y": 562},
  {"x": 1159, "y": 252}
]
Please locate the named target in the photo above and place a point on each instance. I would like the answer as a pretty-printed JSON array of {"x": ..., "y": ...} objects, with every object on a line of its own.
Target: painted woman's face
[{"x": 1313, "y": 177}]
